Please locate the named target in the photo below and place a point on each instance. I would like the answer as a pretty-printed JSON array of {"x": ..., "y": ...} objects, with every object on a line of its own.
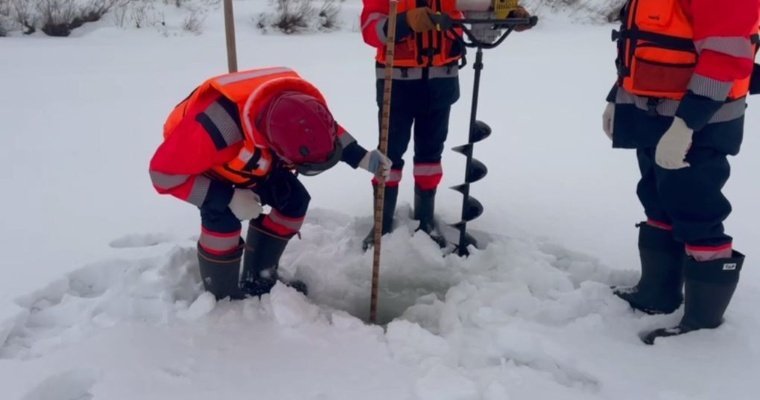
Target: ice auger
[{"x": 485, "y": 26}]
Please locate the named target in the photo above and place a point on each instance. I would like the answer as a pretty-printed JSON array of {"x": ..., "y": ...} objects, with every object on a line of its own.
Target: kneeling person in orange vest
[{"x": 238, "y": 142}]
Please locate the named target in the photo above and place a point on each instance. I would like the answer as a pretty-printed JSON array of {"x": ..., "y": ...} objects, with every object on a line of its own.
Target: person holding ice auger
[
  {"x": 684, "y": 69},
  {"x": 425, "y": 85},
  {"x": 237, "y": 142}
]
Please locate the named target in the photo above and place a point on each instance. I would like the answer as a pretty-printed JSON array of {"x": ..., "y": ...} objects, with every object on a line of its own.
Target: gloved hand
[
  {"x": 608, "y": 119},
  {"x": 377, "y": 163},
  {"x": 673, "y": 146},
  {"x": 419, "y": 20},
  {"x": 245, "y": 204},
  {"x": 442, "y": 21},
  {"x": 520, "y": 12}
]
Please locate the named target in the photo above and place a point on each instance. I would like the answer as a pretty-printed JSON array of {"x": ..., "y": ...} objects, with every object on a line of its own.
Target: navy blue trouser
[
  {"x": 430, "y": 130},
  {"x": 281, "y": 190},
  {"x": 689, "y": 199},
  {"x": 419, "y": 109}
]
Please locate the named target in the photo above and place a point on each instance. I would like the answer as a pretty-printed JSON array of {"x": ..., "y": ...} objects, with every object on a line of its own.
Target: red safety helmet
[{"x": 302, "y": 132}]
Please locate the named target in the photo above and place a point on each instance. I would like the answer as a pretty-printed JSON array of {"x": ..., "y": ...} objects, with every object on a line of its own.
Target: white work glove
[
  {"x": 377, "y": 163},
  {"x": 245, "y": 204},
  {"x": 608, "y": 119},
  {"x": 673, "y": 146}
]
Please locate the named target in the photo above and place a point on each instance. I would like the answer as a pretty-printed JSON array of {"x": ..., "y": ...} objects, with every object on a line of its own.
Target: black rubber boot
[
  {"x": 220, "y": 274},
  {"x": 389, "y": 208},
  {"x": 424, "y": 210},
  {"x": 263, "y": 250},
  {"x": 659, "y": 290},
  {"x": 709, "y": 288}
]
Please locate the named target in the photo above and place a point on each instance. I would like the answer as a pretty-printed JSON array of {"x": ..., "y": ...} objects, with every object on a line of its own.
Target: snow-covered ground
[{"x": 100, "y": 298}]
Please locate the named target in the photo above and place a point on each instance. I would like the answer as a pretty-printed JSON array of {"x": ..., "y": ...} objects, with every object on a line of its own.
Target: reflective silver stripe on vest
[
  {"x": 199, "y": 191},
  {"x": 710, "y": 88},
  {"x": 242, "y": 76},
  {"x": 167, "y": 181},
  {"x": 245, "y": 155},
  {"x": 410, "y": 74},
  {"x": 227, "y": 126},
  {"x": 666, "y": 107}
]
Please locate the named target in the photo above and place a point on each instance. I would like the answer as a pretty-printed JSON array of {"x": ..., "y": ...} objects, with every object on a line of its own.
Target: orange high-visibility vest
[
  {"x": 250, "y": 91},
  {"x": 656, "y": 50},
  {"x": 428, "y": 49}
]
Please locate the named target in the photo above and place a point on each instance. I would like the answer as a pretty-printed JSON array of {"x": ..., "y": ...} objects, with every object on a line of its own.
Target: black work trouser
[
  {"x": 419, "y": 109},
  {"x": 430, "y": 129},
  {"x": 689, "y": 199},
  {"x": 281, "y": 190}
]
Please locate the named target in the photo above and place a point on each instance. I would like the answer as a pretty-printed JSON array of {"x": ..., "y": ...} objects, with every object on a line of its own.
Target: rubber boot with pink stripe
[
  {"x": 221, "y": 273},
  {"x": 710, "y": 285},
  {"x": 263, "y": 250},
  {"x": 659, "y": 290}
]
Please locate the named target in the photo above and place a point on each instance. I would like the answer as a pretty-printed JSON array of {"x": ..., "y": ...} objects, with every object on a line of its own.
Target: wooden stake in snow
[
  {"x": 383, "y": 147},
  {"x": 229, "y": 30}
]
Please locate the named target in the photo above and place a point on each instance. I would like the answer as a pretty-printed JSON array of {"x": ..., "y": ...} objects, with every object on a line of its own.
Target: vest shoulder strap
[{"x": 238, "y": 86}]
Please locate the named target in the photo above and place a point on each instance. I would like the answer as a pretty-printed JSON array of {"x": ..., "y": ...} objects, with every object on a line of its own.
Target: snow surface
[{"x": 100, "y": 297}]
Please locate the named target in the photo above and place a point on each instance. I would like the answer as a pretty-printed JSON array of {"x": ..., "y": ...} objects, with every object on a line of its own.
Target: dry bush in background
[
  {"x": 193, "y": 22},
  {"x": 56, "y": 17},
  {"x": 6, "y": 21},
  {"x": 297, "y": 16},
  {"x": 597, "y": 11},
  {"x": 61, "y": 17}
]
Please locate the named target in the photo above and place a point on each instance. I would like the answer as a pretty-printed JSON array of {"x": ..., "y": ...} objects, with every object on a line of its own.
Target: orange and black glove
[
  {"x": 520, "y": 12},
  {"x": 419, "y": 19}
]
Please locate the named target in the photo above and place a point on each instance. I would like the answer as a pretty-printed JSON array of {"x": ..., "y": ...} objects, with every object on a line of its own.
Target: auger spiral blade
[
  {"x": 472, "y": 209},
  {"x": 480, "y": 130},
  {"x": 475, "y": 171},
  {"x": 465, "y": 149}
]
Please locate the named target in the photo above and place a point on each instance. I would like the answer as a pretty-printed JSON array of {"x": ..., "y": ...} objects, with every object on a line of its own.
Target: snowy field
[{"x": 100, "y": 298}]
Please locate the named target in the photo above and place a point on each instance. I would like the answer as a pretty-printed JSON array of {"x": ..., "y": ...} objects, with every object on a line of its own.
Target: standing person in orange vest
[
  {"x": 238, "y": 142},
  {"x": 683, "y": 76},
  {"x": 425, "y": 85}
]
